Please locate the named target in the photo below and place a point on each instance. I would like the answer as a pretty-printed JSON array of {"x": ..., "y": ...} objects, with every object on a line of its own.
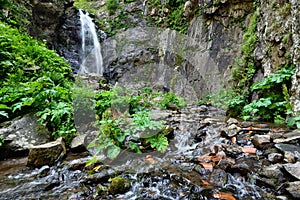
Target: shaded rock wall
[
  {"x": 57, "y": 22},
  {"x": 278, "y": 31}
]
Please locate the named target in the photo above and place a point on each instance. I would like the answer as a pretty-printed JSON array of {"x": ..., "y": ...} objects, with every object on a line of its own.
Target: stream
[{"x": 202, "y": 162}]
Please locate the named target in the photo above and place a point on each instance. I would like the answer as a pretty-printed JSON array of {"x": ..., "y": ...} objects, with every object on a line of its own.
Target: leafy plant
[
  {"x": 169, "y": 99},
  {"x": 112, "y": 6},
  {"x": 274, "y": 100},
  {"x": 34, "y": 79},
  {"x": 159, "y": 141},
  {"x": 294, "y": 122},
  {"x": 173, "y": 18},
  {"x": 126, "y": 122}
]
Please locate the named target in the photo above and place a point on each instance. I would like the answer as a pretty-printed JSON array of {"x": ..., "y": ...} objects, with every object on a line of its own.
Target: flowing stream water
[
  {"x": 91, "y": 57},
  {"x": 172, "y": 175}
]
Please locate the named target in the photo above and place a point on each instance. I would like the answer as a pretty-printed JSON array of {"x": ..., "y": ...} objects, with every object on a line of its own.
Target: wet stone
[
  {"x": 289, "y": 150},
  {"x": 294, "y": 189},
  {"x": 118, "y": 185},
  {"x": 218, "y": 178},
  {"x": 245, "y": 166},
  {"x": 288, "y": 137},
  {"x": 77, "y": 144},
  {"x": 275, "y": 157},
  {"x": 260, "y": 140},
  {"x": 273, "y": 172}
]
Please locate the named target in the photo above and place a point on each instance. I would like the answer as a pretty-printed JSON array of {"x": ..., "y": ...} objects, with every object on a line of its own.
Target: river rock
[
  {"x": 293, "y": 169},
  {"x": 22, "y": 134},
  {"x": 246, "y": 165},
  {"x": 289, "y": 150},
  {"x": 287, "y": 137},
  {"x": 218, "y": 178},
  {"x": 77, "y": 144},
  {"x": 46, "y": 154},
  {"x": 275, "y": 157},
  {"x": 118, "y": 185},
  {"x": 260, "y": 140},
  {"x": 294, "y": 189}
]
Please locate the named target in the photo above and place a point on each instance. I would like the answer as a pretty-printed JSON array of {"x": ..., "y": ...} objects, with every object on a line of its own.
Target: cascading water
[{"x": 91, "y": 58}]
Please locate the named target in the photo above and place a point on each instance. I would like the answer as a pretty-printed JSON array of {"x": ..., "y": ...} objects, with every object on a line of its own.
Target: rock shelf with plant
[{"x": 126, "y": 123}]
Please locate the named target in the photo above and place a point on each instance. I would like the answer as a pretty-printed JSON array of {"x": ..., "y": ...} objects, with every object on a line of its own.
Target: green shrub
[
  {"x": 171, "y": 99},
  {"x": 34, "y": 79},
  {"x": 273, "y": 102},
  {"x": 112, "y": 6}
]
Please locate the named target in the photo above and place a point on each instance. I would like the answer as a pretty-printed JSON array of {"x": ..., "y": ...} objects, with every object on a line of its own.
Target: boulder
[
  {"x": 22, "y": 134},
  {"x": 275, "y": 157},
  {"x": 46, "y": 154}
]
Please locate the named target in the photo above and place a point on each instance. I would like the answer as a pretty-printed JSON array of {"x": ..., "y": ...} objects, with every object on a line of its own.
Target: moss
[{"x": 118, "y": 185}]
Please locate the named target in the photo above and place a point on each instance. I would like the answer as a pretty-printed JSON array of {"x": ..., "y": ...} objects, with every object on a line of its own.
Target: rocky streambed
[{"x": 209, "y": 157}]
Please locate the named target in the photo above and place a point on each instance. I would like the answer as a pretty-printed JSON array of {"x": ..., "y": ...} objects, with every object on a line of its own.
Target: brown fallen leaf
[
  {"x": 204, "y": 182},
  {"x": 207, "y": 166},
  {"x": 224, "y": 196},
  {"x": 249, "y": 150},
  {"x": 149, "y": 159},
  {"x": 233, "y": 140}
]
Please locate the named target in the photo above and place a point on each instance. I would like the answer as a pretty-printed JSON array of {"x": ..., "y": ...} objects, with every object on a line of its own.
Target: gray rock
[
  {"x": 275, "y": 157},
  {"x": 293, "y": 169},
  {"x": 289, "y": 149},
  {"x": 46, "y": 154},
  {"x": 294, "y": 189},
  {"x": 218, "y": 178},
  {"x": 22, "y": 134},
  {"x": 77, "y": 144},
  {"x": 246, "y": 165},
  {"x": 272, "y": 172},
  {"x": 287, "y": 137},
  {"x": 260, "y": 140}
]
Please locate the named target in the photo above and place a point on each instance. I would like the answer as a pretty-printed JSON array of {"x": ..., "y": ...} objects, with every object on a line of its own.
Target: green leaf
[
  {"x": 134, "y": 147},
  {"x": 4, "y": 107},
  {"x": 92, "y": 161},
  {"x": 113, "y": 151},
  {"x": 3, "y": 113}
]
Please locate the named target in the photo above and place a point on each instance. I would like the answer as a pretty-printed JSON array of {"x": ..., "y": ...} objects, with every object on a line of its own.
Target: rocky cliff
[{"x": 192, "y": 64}]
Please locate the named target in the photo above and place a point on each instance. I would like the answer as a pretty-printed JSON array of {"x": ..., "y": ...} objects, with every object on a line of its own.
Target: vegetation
[
  {"x": 169, "y": 14},
  {"x": 273, "y": 102},
  {"x": 15, "y": 13},
  {"x": 126, "y": 122},
  {"x": 244, "y": 70},
  {"x": 34, "y": 79}
]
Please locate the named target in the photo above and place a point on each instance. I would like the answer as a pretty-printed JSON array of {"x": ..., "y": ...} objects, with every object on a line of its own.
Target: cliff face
[
  {"x": 192, "y": 64},
  {"x": 278, "y": 31},
  {"x": 57, "y": 22}
]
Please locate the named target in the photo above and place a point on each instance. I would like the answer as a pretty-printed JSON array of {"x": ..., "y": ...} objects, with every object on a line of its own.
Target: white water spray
[{"x": 91, "y": 58}]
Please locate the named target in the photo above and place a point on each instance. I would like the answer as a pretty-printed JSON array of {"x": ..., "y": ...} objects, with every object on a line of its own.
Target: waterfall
[{"x": 91, "y": 58}]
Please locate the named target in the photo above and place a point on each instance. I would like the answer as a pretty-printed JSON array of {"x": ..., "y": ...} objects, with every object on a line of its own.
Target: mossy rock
[{"x": 118, "y": 185}]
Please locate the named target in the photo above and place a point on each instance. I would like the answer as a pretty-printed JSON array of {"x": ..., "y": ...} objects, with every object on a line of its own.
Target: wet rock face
[
  {"x": 57, "y": 22},
  {"x": 22, "y": 134}
]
